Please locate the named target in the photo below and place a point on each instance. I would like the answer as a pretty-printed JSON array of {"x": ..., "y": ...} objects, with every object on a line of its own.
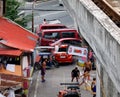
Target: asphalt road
[
  {"x": 49, "y": 10},
  {"x": 54, "y": 77}
]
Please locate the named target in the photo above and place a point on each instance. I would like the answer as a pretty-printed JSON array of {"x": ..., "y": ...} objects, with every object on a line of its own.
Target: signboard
[{"x": 80, "y": 52}]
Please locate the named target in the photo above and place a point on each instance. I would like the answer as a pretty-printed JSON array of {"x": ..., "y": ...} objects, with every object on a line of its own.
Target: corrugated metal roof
[
  {"x": 10, "y": 52},
  {"x": 15, "y": 36}
]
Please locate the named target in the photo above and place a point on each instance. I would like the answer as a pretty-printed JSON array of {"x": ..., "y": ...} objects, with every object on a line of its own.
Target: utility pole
[
  {"x": 4, "y": 7},
  {"x": 33, "y": 17},
  {"x": 1, "y": 7}
]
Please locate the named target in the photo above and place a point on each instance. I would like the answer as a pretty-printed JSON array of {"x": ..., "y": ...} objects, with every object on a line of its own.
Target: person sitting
[{"x": 44, "y": 21}]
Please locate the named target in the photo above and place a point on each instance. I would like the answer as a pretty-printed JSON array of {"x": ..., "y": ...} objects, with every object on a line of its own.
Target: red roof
[
  {"x": 10, "y": 52},
  {"x": 15, "y": 36}
]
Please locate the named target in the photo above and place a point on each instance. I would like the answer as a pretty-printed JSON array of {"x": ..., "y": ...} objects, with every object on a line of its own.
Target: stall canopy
[
  {"x": 15, "y": 36},
  {"x": 10, "y": 52},
  {"x": 14, "y": 40}
]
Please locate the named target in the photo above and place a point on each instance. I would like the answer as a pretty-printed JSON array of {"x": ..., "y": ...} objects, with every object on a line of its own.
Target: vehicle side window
[
  {"x": 68, "y": 34},
  {"x": 72, "y": 42},
  {"x": 52, "y": 35},
  {"x": 76, "y": 42}
]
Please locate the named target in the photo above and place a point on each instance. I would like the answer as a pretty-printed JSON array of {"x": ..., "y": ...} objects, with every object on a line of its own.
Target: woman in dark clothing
[{"x": 75, "y": 74}]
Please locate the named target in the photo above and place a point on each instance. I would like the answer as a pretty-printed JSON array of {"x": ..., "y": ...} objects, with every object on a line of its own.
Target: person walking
[
  {"x": 88, "y": 67},
  {"x": 75, "y": 74},
  {"x": 43, "y": 70},
  {"x": 93, "y": 87},
  {"x": 84, "y": 79}
]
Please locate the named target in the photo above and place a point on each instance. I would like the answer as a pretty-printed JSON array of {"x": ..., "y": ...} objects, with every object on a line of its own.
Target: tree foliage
[{"x": 12, "y": 11}]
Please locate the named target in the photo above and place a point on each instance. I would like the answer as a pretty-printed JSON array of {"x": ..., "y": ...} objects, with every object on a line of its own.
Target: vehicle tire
[
  {"x": 37, "y": 66},
  {"x": 55, "y": 63}
]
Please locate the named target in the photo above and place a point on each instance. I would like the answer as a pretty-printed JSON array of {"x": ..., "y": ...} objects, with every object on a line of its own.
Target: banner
[{"x": 78, "y": 51}]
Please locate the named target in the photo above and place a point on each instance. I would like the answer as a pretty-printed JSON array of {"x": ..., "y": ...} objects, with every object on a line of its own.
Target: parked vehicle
[
  {"x": 48, "y": 26},
  {"x": 50, "y": 63},
  {"x": 52, "y": 35},
  {"x": 72, "y": 90},
  {"x": 45, "y": 53},
  {"x": 61, "y": 56},
  {"x": 69, "y": 41}
]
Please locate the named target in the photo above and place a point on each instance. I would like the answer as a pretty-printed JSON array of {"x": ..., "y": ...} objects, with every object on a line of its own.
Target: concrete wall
[{"x": 104, "y": 38}]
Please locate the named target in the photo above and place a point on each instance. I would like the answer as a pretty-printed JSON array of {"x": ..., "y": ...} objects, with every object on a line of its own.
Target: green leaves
[{"x": 12, "y": 11}]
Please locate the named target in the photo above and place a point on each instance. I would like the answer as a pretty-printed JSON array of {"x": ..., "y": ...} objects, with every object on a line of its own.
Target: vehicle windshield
[{"x": 62, "y": 50}]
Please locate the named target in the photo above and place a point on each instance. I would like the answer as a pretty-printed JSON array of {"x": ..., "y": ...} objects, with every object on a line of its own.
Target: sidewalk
[{"x": 83, "y": 89}]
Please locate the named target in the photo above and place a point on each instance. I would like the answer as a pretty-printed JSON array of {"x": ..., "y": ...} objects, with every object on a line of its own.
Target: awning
[
  {"x": 10, "y": 52},
  {"x": 15, "y": 36}
]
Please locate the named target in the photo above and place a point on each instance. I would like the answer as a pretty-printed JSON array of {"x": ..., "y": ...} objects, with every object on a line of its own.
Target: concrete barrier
[{"x": 101, "y": 33}]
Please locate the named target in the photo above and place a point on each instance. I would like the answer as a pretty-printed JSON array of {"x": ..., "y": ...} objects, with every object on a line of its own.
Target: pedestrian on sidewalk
[
  {"x": 93, "y": 87},
  {"x": 75, "y": 73},
  {"x": 43, "y": 70},
  {"x": 84, "y": 79},
  {"x": 88, "y": 67}
]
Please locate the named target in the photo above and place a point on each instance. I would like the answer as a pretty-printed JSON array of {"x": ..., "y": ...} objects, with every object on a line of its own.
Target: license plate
[{"x": 62, "y": 56}]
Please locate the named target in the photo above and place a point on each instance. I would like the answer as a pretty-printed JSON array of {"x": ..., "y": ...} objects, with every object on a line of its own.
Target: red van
[
  {"x": 50, "y": 36},
  {"x": 49, "y": 26}
]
